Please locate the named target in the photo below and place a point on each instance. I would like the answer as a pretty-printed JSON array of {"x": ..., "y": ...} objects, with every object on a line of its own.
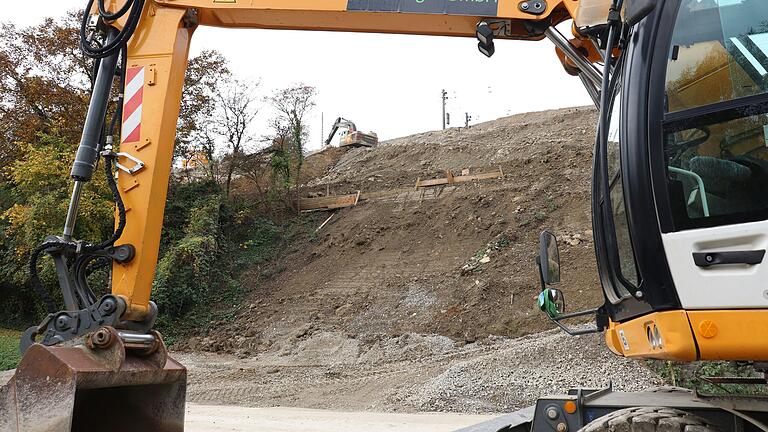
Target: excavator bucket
[{"x": 82, "y": 389}]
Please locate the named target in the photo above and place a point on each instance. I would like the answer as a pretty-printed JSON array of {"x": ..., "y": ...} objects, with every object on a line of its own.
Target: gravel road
[
  {"x": 412, "y": 373},
  {"x": 208, "y": 418}
]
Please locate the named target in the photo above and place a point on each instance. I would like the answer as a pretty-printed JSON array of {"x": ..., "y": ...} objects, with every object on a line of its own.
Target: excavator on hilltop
[
  {"x": 350, "y": 136},
  {"x": 679, "y": 203}
]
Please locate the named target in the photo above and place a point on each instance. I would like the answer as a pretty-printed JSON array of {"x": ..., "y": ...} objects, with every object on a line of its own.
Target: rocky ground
[{"x": 412, "y": 373}]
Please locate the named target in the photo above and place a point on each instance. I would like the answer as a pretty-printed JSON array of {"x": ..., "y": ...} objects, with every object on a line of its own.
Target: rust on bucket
[{"x": 77, "y": 388}]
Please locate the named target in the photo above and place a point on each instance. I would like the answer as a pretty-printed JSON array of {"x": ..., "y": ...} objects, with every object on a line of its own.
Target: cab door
[{"x": 713, "y": 197}]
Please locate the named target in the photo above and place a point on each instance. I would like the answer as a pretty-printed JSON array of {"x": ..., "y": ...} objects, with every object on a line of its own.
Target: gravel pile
[
  {"x": 413, "y": 372},
  {"x": 517, "y": 372}
]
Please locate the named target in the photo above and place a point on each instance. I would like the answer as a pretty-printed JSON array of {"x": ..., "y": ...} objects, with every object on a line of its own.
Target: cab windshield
[{"x": 716, "y": 126}]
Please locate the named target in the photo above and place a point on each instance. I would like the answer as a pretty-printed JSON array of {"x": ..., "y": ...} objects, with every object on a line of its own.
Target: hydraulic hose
[
  {"x": 111, "y": 47},
  {"x": 117, "y": 15},
  {"x": 601, "y": 182},
  {"x": 109, "y": 160}
]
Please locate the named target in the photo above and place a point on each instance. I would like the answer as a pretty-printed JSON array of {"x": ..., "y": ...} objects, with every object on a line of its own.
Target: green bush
[
  {"x": 208, "y": 241},
  {"x": 189, "y": 267},
  {"x": 692, "y": 376}
]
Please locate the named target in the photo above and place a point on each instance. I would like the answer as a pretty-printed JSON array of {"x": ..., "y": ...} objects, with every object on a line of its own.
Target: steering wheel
[{"x": 680, "y": 147}]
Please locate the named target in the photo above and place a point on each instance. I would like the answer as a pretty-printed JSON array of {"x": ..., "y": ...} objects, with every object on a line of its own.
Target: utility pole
[
  {"x": 445, "y": 99},
  {"x": 322, "y": 129}
]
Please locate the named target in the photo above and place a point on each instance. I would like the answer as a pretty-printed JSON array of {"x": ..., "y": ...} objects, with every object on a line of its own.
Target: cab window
[
  {"x": 716, "y": 127},
  {"x": 719, "y": 52},
  {"x": 626, "y": 275},
  {"x": 628, "y": 270}
]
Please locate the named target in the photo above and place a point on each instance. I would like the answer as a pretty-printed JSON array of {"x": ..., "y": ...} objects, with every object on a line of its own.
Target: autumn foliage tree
[
  {"x": 207, "y": 237},
  {"x": 44, "y": 93}
]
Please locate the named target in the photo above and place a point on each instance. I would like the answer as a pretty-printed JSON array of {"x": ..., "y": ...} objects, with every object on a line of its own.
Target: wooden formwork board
[
  {"x": 329, "y": 202},
  {"x": 451, "y": 179}
]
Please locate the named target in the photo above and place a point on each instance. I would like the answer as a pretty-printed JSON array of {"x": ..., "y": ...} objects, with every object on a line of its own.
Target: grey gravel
[{"x": 412, "y": 372}]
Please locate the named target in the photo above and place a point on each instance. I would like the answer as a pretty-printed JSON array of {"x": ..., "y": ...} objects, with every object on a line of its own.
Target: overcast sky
[{"x": 389, "y": 84}]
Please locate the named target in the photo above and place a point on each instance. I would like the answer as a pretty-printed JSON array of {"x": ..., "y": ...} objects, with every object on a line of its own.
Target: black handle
[{"x": 709, "y": 259}]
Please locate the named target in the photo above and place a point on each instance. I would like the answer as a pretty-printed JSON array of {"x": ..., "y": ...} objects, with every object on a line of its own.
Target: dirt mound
[
  {"x": 319, "y": 163},
  {"x": 456, "y": 260}
]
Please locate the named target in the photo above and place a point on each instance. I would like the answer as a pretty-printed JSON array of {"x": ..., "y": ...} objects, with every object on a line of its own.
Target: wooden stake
[{"x": 326, "y": 221}]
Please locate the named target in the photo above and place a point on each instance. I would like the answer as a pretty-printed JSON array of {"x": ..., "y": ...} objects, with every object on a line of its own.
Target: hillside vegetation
[{"x": 209, "y": 235}]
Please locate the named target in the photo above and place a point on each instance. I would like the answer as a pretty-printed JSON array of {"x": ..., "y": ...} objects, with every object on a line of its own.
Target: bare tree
[
  {"x": 291, "y": 131},
  {"x": 196, "y": 136},
  {"x": 237, "y": 108}
]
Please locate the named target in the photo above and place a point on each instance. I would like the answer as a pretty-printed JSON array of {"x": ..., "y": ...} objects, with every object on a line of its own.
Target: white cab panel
[{"x": 735, "y": 286}]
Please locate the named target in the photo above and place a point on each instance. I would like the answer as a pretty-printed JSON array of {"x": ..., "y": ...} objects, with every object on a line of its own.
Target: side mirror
[
  {"x": 552, "y": 302},
  {"x": 636, "y": 10},
  {"x": 549, "y": 258}
]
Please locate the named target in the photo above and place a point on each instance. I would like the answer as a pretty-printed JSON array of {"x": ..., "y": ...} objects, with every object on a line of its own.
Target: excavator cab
[
  {"x": 349, "y": 136},
  {"x": 680, "y": 213}
]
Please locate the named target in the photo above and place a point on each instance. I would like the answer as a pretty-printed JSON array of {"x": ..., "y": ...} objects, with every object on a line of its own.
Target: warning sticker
[
  {"x": 624, "y": 341},
  {"x": 453, "y": 7}
]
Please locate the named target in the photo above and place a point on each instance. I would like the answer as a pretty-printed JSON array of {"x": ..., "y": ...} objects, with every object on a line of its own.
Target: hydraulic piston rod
[
  {"x": 569, "y": 50},
  {"x": 88, "y": 150}
]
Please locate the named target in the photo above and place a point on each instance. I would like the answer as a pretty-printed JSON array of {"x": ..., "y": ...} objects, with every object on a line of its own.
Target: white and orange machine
[
  {"x": 680, "y": 207},
  {"x": 350, "y": 136}
]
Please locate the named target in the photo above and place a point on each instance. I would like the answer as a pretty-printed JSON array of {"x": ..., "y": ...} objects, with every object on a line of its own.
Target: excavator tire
[{"x": 647, "y": 419}]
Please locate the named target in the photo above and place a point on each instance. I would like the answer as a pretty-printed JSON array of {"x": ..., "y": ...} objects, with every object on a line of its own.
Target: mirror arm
[
  {"x": 577, "y": 314},
  {"x": 571, "y": 331}
]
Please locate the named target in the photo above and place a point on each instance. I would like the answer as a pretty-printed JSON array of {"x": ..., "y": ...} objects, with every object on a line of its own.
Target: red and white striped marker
[{"x": 134, "y": 95}]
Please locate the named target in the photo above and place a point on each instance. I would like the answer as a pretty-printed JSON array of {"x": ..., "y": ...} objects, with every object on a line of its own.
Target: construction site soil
[{"x": 423, "y": 298}]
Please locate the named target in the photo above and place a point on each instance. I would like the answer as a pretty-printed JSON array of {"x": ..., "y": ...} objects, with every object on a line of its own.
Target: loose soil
[
  {"x": 456, "y": 261},
  {"x": 411, "y": 373},
  {"x": 423, "y": 300}
]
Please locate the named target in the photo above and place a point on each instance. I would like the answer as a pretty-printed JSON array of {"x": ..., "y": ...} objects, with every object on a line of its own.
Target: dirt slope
[{"x": 456, "y": 261}]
